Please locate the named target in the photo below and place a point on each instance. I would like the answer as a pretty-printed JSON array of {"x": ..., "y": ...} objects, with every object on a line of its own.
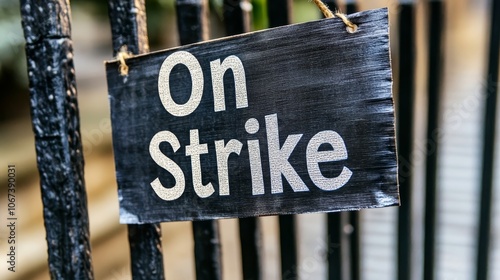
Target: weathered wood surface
[
  {"x": 129, "y": 30},
  {"x": 128, "y": 25},
  {"x": 308, "y": 78},
  {"x": 146, "y": 261},
  {"x": 56, "y": 125}
]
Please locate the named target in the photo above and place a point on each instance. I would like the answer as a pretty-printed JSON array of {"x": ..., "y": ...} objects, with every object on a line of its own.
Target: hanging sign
[{"x": 288, "y": 120}]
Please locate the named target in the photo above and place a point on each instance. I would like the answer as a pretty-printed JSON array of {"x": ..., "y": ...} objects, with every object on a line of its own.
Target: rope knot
[
  {"x": 351, "y": 27},
  {"x": 121, "y": 56}
]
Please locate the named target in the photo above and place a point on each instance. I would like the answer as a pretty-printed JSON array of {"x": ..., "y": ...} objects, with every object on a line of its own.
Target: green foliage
[
  {"x": 12, "y": 59},
  {"x": 304, "y": 10},
  {"x": 259, "y": 14}
]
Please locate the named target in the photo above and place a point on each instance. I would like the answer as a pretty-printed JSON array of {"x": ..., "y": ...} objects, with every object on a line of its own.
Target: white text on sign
[{"x": 279, "y": 165}]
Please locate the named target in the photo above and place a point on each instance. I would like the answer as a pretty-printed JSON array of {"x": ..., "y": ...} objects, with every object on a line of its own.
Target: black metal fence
[{"x": 47, "y": 29}]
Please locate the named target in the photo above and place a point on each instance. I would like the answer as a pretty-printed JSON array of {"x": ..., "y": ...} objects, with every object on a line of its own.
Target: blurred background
[{"x": 459, "y": 159}]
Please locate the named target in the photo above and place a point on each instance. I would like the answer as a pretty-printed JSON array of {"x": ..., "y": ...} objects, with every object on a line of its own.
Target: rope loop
[
  {"x": 121, "y": 56},
  {"x": 351, "y": 27}
]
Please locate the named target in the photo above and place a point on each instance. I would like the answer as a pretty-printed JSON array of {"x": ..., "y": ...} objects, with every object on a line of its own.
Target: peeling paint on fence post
[{"x": 56, "y": 125}]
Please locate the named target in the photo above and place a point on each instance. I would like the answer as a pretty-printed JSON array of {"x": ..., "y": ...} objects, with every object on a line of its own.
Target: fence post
[
  {"x": 354, "y": 246},
  {"x": 406, "y": 92},
  {"x": 56, "y": 125},
  {"x": 236, "y": 16},
  {"x": 332, "y": 5},
  {"x": 192, "y": 21},
  {"x": 129, "y": 29},
  {"x": 436, "y": 15},
  {"x": 250, "y": 240},
  {"x": 237, "y": 21},
  {"x": 279, "y": 14},
  {"x": 335, "y": 232},
  {"x": 193, "y": 27},
  {"x": 482, "y": 261},
  {"x": 335, "y": 229},
  {"x": 350, "y": 7},
  {"x": 354, "y": 219}
]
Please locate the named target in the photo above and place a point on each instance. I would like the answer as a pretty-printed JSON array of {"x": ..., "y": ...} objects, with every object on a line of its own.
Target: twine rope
[
  {"x": 329, "y": 14},
  {"x": 121, "y": 56}
]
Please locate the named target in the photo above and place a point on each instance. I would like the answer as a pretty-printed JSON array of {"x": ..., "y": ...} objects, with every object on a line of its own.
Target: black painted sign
[{"x": 294, "y": 119}]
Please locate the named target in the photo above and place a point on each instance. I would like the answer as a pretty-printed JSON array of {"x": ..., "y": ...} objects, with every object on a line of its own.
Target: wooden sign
[{"x": 294, "y": 119}]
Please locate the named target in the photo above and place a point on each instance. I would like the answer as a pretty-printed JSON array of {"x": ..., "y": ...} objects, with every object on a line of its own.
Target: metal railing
[{"x": 47, "y": 29}]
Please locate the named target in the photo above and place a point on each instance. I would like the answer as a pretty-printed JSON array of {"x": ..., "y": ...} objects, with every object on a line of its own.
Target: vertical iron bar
[
  {"x": 56, "y": 126},
  {"x": 207, "y": 251},
  {"x": 192, "y": 20},
  {"x": 334, "y": 221},
  {"x": 355, "y": 236},
  {"x": 406, "y": 94},
  {"x": 279, "y": 14},
  {"x": 193, "y": 27},
  {"x": 129, "y": 29},
  {"x": 332, "y": 5},
  {"x": 237, "y": 21},
  {"x": 250, "y": 248},
  {"x": 236, "y": 17},
  {"x": 128, "y": 25},
  {"x": 351, "y": 7},
  {"x": 489, "y": 146},
  {"x": 288, "y": 248},
  {"x": 146, "y": 256},
  {"x": 355, "y": 239},
  {"x": 436, "y": 15}
]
